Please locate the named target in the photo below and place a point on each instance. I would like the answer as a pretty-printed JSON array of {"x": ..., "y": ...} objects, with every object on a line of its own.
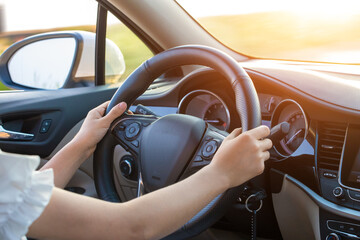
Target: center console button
[
  {"x": 329, "y": 175},
  {"x": 335, "y": 225},
  {"x": 332, "y": 236},
  {"x": 354, "y": 195},
  {"x": 350, "y": 229},
  {"x": 332, "y": 224},
  {"x": 339, "y": 192}
]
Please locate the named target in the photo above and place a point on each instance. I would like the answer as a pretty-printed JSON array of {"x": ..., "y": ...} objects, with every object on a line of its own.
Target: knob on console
[
  {"x": 339, "y": 192},
  {"x": 333, "y": 236}
]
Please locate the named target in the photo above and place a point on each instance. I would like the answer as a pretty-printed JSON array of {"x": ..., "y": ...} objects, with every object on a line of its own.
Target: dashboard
[{"x": 307, "y": 158}]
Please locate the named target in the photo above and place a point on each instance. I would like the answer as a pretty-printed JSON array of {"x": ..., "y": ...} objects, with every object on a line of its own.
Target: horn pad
[{"x": 167, "y": 146}]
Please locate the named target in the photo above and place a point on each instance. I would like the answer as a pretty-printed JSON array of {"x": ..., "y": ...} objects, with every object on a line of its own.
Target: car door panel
[{"x": 26, "y": 111}]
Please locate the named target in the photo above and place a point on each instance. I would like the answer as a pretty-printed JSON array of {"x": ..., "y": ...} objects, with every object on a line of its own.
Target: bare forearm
[
  {"x": 150, "y": 217},
  {"x": 66, "y": 161},
  {"x": 167, "y": 209}
]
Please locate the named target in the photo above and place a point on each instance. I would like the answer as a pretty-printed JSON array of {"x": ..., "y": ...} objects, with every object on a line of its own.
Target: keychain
[{"x": 253, "y": 216}]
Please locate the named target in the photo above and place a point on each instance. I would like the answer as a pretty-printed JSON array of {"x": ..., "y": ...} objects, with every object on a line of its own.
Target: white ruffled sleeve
[{"x": 24, "y": 193}]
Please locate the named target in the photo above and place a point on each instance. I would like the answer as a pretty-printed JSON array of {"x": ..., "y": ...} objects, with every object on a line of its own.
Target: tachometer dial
[
  {"x": 291, "y": 112},
  {"x": 296, "y": 134}
]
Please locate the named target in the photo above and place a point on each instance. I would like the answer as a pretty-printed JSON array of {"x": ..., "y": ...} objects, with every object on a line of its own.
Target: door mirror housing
[{"x": 57, "y": 60}]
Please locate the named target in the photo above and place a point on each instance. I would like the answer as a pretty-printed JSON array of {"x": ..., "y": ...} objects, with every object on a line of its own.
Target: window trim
[{"x": 100, "y": 45}]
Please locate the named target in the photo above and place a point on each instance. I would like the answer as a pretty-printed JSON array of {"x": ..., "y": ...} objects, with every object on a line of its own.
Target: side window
[{"x": 132, "y": 48}]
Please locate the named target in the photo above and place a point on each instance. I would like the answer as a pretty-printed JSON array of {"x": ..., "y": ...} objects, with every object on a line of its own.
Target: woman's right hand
[{"x": 241, "y": 156}]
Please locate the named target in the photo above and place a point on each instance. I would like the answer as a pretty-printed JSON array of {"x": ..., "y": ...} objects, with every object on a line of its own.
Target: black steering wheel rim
[{"x": 247, "y": 105}]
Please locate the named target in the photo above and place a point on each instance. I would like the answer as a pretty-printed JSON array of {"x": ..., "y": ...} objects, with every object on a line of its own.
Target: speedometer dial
[
  {"x": 291, "y": 112},
  {"x": 216, "y": 115},
  {"x": 208, "y": 106}
]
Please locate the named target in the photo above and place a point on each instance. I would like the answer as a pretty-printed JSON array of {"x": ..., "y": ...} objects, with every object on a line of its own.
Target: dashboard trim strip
[{"x": 325, "y": 204}]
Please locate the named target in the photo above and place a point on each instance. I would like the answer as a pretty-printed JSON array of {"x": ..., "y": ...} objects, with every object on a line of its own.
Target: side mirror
[{"x": 57, "y": 60}]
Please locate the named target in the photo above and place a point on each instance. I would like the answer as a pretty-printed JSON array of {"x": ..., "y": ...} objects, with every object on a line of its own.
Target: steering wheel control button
[
  {"x": 135, "y": 143},
  {"x": 208, "y": 138},
  {"x": 132, "y": 130},
  {"x": 126, "y": 166},
  {"x": 209, "y": 149},
  {"x": 199, "y": 164},
  {"x": 339, "y": 192},
  {"x": 198, "y": 158},
  {"x": 121, "y": 127},
  {"x": 45, "y": 125},
  {"x": 145, "y": 124}
]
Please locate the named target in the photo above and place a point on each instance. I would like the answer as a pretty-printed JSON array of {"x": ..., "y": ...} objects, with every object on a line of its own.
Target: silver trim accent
[
  {"x": 129, "y": 165},
  {"x": 202, "y": 91},
  {"x": 340, "y": 194},
  {"x": 345, "y": 233},
  {"x": 325, "y": 204},
  {"x": 273, "y": 124},
  {"x": 17, "y": 136},
  {"x": 272, "y": 100},
  {"x": 341, "y": 163},
  {"x": 140, "y": 190},
  {"x": 327, "y": 146}
]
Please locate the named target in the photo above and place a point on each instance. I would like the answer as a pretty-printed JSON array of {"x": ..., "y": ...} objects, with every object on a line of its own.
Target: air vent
[
  {"x": 158, "y": 85},
  {"x": 330, "y": 143}
]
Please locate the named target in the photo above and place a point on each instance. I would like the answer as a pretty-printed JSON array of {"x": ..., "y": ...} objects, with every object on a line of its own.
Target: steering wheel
[{"x": 175, "y": 146}]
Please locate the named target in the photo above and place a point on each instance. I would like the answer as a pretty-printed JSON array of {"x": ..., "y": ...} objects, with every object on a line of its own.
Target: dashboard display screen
[
  {"x": 355, "y": 171},
  {"x": 350, "y": 163}
]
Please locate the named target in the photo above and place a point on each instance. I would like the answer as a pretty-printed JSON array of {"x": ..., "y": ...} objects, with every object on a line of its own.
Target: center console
[{"x": 342, "y": 187}]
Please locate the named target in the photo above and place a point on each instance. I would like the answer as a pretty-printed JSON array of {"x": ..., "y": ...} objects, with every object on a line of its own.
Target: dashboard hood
[{"x": 333, "y": 83}]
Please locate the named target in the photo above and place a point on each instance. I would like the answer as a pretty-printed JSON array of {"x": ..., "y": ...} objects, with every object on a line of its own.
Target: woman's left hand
[{"x": 96, "y": 125}]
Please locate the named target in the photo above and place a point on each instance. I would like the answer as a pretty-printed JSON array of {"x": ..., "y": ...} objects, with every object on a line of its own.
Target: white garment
[{"x": 24, "y": 193}]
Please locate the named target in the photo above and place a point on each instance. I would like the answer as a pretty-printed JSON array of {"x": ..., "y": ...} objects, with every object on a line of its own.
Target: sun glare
[
  {"x": 201, "y": 8},
  {"x": 314, "y": 30},
  {"x": 339, "y": 11}
]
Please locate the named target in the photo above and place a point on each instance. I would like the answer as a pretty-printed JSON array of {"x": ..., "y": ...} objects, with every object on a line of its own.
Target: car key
[
  {"x": 258, "y": 197},
  {"x": 253, "y": 225}
]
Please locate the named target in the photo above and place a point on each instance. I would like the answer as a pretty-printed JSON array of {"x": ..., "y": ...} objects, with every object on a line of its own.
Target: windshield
[{"x": 308, "y": 30}]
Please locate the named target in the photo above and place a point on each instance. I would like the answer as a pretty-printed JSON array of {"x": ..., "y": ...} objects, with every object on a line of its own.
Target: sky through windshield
[{"x": 310, "y": 30}]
